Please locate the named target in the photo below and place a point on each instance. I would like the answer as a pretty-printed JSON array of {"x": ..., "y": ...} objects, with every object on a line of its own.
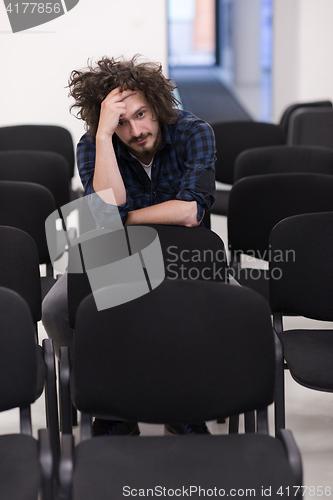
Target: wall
[
  {"x": 36, "y": 63},
  {"x": 302, "y": 61},
  {"x": 246, "y": 32}
]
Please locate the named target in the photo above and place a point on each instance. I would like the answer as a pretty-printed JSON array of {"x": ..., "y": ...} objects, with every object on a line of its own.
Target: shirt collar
[{"x": 166, "y": 136}]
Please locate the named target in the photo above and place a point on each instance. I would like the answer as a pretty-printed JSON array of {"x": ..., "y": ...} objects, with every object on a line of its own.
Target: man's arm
[
  {"x": 198, "y": 181},
  {"x": 173, "y": 212},
  {"x": 107, "y": 174}
]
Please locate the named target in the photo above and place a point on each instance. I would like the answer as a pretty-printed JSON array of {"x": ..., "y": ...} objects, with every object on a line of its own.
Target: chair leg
[
  {"x": 74, "y": 417},
  {"x": 51, "y": 399},
  {"x": 250, "y": 421},
  {"x": 66, "y": 406},
  {"x": 279, "y": 402},
  {"x": 234, "y": 424}
]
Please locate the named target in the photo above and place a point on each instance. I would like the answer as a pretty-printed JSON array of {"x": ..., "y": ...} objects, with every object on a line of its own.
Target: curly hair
[{"x": 89, "y": 88}]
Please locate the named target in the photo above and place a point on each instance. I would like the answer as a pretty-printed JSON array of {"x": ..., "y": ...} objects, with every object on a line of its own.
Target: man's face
[{"x": 138, "y": 129}]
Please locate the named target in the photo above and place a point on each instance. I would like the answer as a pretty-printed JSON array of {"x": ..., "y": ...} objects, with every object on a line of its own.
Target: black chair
[
  {"x": 188, "y": 350},
  {"x": 26, "y": 206},
  {"x": 231, "y": 139},
  {"x": 26, "y": 464},
  {"x": 301, "y": 281},
  {"x": 286, "y": 115},
  {"x": 283, "y": 160},
  {"x": 51, "y": 138},
  {"x": 311, "y": 127},
  {"x": 19, "y": 271},
  {"x": 188, "y": 253},
  {"x": 39, "y": 138},
  {"x": 257, "y": 204},
  {"x": 40, "y": 167}
]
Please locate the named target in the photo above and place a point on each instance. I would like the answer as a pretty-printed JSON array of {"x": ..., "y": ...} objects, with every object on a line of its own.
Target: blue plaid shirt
[{"x": 183, "y": 169}]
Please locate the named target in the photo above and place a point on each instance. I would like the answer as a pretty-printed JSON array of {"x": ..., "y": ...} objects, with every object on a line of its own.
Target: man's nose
[{"x": 135, "y": 129}]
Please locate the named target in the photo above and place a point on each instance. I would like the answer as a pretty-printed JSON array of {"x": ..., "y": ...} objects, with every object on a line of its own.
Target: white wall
[
  {"x": 303, "y": 43},
  {"x": 246, "y": 34},
  {"x": 36, "y": 63}
]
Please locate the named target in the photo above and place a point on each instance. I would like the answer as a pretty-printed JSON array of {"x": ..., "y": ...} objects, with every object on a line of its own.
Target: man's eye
[
  {"x": 120, "y": 123},
  {"x": 141, "y": 114}
]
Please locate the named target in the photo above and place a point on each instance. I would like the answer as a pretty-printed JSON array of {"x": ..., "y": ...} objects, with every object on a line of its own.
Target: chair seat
[
  {"x": 20, "y": 474},
  {"x": 220, "y": 206},
  {"x": 104, "y": 466},
  {"x": 309, "y": 354}
]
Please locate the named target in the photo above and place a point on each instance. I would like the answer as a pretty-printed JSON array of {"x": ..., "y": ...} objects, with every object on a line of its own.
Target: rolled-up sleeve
[{"x": 198, "y": 181}]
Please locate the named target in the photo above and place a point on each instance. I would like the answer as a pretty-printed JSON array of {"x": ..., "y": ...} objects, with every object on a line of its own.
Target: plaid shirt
[{"x": 183, "y": 169}]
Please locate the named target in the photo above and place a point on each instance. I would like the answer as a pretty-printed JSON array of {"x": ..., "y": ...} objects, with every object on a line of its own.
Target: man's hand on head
[{"x": 112, "y": 107}]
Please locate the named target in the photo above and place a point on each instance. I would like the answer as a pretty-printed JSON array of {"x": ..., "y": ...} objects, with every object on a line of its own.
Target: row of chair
[
  {"x": 260, "y": 201},
  {"x": 81, "y": 487},
  {"x": 302, "y": 124},
  {"x": 160, "y": 383},
  {"x": 36, "y": 169},
  {"x": 164, "y": 370}
]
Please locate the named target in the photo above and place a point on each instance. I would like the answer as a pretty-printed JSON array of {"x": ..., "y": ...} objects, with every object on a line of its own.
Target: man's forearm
[
  {"x": 173, "y": 212},
  {"x": 107, "y": 174}
]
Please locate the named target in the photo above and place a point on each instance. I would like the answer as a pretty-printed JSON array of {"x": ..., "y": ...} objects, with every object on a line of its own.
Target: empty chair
[
  {"x": 188, "y": 350},
  {"x": 26, "y": 206},
  {"x": 259, "y": 202},
  {"x": 19, "y": 271},
  {"x": 39, "y": 138},
  {"x": 231, "y": 139},
  {"x": 41, "y": 167},
  {"x": 285, "y": 118},
  {"x": 24, "y": 470},
  {"x": 283, "y": 160},
  {"x": 19, "y": 267},
  {"x": 51, "y": 138},
  {"x": 312, "y": 127},
  {"x": 302, "y": 282}
]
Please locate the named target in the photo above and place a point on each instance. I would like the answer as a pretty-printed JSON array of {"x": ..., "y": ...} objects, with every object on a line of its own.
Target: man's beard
[{"x": 146, "y": 151}]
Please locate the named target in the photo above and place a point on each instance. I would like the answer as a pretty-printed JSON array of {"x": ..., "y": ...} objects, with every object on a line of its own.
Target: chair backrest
[
  {"x": 285, "y": 118},
  {"x": 188, "y": 351},
  {"x": 259, "y": 202},
  {"x": 18, "y": 359},
  {"x": 283, "y": 160},
  {"x": 188, "y": 254},
  {"x": 26, "y": 206},
  {"x": 302, "y": 267},
  {"x": 41, "y": 138},
  {"x": 234, "y": 137},
  {"x": 41, "y": 167},
  {"x": 312, "y": 127},
  {"x": 19, "y": 267}
]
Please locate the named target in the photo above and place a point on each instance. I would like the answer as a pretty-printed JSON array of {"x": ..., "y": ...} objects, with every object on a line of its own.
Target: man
[{"x": 158, "y": 160}]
